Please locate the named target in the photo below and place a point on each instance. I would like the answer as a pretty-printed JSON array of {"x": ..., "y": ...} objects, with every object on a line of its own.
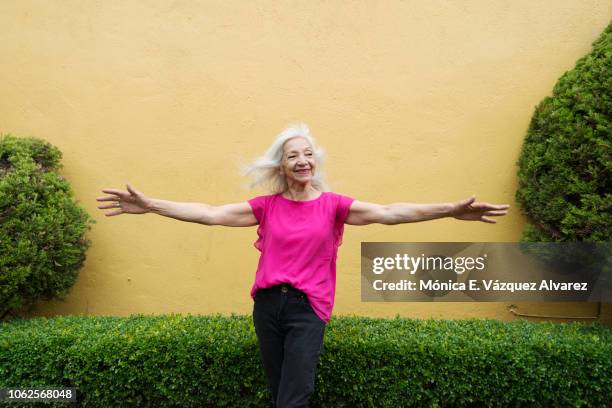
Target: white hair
[{"x": 265, "y": 169}]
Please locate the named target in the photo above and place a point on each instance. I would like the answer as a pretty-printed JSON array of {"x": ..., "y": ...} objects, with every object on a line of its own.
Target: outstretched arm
[
  {"x": 362, "y": 213},
  {"x": 133, "y": 201},
  {"x": 229, "y": 215}
]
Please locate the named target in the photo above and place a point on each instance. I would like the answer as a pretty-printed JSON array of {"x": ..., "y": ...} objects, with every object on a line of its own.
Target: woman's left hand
[{"x": 469, "y": 210}]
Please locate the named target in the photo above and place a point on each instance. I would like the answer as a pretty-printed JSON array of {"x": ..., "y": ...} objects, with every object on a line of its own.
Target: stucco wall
[{"x": 415, "y": 101}]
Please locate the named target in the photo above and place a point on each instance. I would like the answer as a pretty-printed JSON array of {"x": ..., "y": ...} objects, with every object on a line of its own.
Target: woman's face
[{"x": 298, "y": 163}]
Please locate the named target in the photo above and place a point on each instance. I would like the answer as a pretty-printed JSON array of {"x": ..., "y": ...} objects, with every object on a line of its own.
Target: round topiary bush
[
  {"x": 42, "y": 243},
  {"x": 565, "y": 178}
]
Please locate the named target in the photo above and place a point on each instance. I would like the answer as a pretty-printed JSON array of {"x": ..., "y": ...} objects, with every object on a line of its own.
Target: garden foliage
[
  {"x": 42, "y": 242},
  {"x": 565, "y": 167},
  {"x": 213, "y": 361}
]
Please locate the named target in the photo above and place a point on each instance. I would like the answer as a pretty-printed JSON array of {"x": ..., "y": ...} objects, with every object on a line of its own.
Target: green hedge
[{"x": 209, "y": 361}]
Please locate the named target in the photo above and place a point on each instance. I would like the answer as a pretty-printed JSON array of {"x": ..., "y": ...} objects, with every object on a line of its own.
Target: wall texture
[{"x": 415, "y": 101}]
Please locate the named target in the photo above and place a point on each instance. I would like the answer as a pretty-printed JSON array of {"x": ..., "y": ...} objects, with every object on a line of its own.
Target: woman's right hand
[{"x": 129, "y": 202}]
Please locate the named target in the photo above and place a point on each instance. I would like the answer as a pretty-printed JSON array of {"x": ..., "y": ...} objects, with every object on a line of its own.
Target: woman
[{"x": 300, "y": 229}]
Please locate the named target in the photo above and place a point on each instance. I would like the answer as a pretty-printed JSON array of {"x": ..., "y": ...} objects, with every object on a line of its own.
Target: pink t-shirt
[{"x": 299, "y": 241}]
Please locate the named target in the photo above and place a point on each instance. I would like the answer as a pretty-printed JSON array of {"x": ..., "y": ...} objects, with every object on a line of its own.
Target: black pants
[{"x": 290, "y": 338}]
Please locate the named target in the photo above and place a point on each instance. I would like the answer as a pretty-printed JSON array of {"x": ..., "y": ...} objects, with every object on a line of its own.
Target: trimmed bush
[
  {"x": 565, "y": 177},
  {"x": 42, "y": 244},
  {"x": 213, "y": 361}
]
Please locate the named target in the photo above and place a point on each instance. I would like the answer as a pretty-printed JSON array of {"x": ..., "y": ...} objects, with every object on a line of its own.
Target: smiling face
[{"x": 298, "y": 163}]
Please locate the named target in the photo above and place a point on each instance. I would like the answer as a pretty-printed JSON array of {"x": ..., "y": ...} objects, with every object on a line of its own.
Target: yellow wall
[{"x": 417, "y": 101}]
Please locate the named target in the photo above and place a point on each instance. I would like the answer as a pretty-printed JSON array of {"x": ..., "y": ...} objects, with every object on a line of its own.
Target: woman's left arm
[{"x": 362, "y": 213}]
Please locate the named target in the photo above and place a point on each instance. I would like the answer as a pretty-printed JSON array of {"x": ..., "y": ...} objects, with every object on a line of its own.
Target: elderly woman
[{"x": 300, "y": 228}]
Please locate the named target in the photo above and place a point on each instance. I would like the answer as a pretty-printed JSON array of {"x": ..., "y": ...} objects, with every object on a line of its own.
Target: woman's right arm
[
  {"x": 135, "y": 202},
  {"x": 230, "y": 215}
]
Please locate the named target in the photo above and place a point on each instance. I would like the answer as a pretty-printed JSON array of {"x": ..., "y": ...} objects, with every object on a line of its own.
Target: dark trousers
[{"x": 290, "y": 338}]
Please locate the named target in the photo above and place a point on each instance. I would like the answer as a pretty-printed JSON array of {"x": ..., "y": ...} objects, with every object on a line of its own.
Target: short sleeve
[
  {"x": 258, "y": 205},
  {"x": 343, "y": 207}
]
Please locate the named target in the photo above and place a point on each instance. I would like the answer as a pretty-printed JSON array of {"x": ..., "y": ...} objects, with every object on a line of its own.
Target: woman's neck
[{"x": 301, "y": 192}]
